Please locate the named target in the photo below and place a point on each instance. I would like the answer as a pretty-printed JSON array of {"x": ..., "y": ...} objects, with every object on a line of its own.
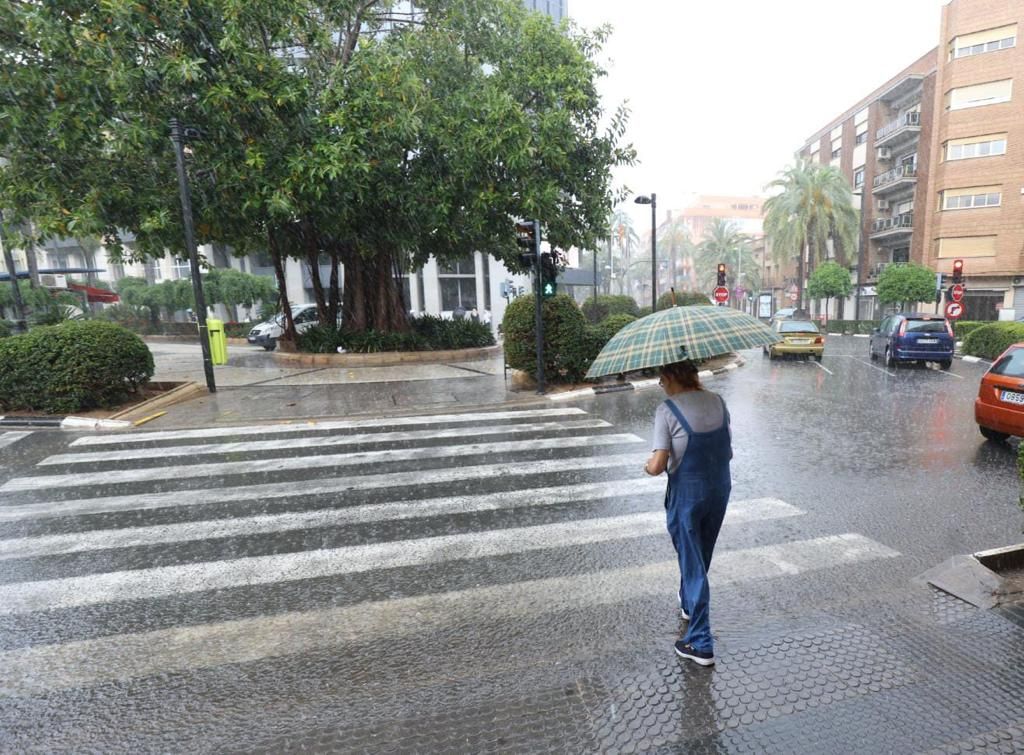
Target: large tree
[
  {"x": 811, "y": 207},
  {"x": 344, "y": 130}
]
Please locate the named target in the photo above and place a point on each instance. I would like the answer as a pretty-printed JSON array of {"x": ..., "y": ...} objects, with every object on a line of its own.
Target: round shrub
[
  {"x": 612, "y": 324},
  {"x": 72, "y": 367},
  {"x": 597, "y": 309},
  {"x": 989, "y": 341},
  {"x": 569, "y": 344},
  {"x": 683, "y": 299}
]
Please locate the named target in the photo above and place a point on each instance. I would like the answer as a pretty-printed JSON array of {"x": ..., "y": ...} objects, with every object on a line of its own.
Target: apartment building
[{"x": 936, "y": 160}]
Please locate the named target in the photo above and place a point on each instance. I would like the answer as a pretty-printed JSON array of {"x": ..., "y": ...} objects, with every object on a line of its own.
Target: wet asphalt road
[{"x": 503, "y": 583}]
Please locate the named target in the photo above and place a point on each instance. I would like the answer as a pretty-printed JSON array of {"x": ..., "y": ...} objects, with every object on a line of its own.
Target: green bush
[
  {"x": 596, "y": 310},
  {"x": 428, "y": 333},
  {"x": 612, "y": 324},
  {"x": 6, "y": 328},
  {"x": 851, "y": 327},
  {"x": 962, "y": 328},
  {"x": 683, "y": 299},
  {"x": 72, "y": 367},
  {"x": 570, "y": 345},
  {"x": 989, "y": 341}
]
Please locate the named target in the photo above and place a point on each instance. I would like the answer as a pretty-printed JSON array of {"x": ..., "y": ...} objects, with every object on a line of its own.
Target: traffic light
[
  {"x": 721, "y": 273},
  {"x": 548, "y": 275},
  {"x": 958, "y": 271},
  {"x": 526, "y": 239}
]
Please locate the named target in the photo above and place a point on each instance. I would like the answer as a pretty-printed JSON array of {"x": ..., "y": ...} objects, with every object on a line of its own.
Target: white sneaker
[{"x": 682, "y": 611}]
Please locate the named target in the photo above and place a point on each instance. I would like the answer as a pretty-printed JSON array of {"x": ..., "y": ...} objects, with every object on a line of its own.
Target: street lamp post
[
  {"x": 178, "y": 138},
  {"x": 653, "y": 202}
]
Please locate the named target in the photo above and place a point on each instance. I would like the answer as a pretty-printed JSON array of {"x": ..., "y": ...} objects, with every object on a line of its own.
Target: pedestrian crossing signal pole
[{"x": 528, "y": 238}]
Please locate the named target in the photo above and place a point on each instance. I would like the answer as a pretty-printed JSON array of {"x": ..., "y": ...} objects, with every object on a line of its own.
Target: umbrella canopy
[{"x": 677, "y": 334}]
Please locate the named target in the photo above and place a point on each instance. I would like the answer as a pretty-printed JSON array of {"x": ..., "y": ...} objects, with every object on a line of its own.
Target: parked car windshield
[
  {"x": 797, "y": 326},
  {"x": 1011, "y": 365},
  {"x": 926, "y": 326}
]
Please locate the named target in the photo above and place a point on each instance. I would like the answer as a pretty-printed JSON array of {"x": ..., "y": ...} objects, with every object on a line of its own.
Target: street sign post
[
  {"x": 954, "y": 310},
  {"x": 721, "y": 295}
]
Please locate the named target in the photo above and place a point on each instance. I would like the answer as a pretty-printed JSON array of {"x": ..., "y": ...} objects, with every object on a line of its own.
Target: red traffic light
[{"x": 958, "y": 271}]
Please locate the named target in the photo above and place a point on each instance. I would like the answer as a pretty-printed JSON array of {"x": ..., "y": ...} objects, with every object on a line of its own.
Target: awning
[{"x": 96, "y": 295}]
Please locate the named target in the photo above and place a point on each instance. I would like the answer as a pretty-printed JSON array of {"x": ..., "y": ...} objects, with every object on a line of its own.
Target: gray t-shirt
[{"x": 704, "y": 411}]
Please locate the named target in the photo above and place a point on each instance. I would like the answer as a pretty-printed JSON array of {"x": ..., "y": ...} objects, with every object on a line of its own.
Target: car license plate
[
  {"x": 927, "y": 341},
  {"x": 1012, "y": 397},
  {"x": 799, "y": 341}
]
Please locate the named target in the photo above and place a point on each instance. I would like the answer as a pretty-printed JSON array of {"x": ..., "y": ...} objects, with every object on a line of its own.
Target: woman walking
[{"x": 692, "y": 441}]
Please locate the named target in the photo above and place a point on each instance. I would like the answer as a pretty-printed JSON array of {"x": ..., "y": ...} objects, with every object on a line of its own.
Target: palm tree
[
  {"x": 814, "y": 205},
  {"x": 723, "y": 242},
  {"x": 676, "y": 249},
  {"x": 626, "y": 241}
]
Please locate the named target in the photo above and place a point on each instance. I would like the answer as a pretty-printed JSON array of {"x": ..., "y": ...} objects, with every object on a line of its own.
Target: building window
[
  {"x": 967, "y": 246},
  {"x": 457, "y": 280},
  {"x": 858, "y": 178},
  {"x": 862, "y": 137},
  {"x": 964, "y": 199},
  {"x": 979, "y": 146},
  {"x": 181, "y": 269},
  {"x": 981, "y": 42},
  {"x": 901, "y": 255},
  {"x": 836, "y": 153},
  {"x": 990, "y": 93}
]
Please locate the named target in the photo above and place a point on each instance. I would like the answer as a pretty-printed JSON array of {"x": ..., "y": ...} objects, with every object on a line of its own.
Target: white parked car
[{"x": 266, "y": 333}]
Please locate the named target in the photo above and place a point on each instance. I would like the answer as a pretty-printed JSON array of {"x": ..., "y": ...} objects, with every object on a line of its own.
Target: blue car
[{"x": 913, "y": 338}]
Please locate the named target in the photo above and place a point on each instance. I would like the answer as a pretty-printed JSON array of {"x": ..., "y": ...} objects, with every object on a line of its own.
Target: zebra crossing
[{"x": 98, "y": 538}]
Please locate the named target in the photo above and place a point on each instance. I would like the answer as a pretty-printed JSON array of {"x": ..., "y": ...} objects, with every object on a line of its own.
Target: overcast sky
[{"x": 723, "y": 93}]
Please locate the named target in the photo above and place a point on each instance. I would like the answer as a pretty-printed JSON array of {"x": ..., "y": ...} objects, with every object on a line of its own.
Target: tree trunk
[
  {"x": 33, "y": 267},
  {"x": 334, "y": 290},
  {"x": 373, "y": 293},
  {"x": 800, "y": 280},
  {"x": 311, "y": 241},
  {"x": 282, "y": 286}
]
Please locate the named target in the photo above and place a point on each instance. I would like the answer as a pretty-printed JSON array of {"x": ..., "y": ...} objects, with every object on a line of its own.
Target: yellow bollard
[{"x": 218, "y": 341}]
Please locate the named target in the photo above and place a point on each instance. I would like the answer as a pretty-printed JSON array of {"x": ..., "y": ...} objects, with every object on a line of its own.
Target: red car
[{"x": 999, "y": 408}]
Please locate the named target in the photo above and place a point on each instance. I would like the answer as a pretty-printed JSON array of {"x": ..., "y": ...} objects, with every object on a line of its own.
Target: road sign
[
  {"x": 721, "y": 294},
  {"x": 792, "y": 297},
  {"x": 957, "y": 292},
  {"x": 954, "y": 310}
]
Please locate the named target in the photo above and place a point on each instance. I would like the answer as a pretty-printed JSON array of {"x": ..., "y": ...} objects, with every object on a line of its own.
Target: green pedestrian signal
[{"x": 548, "y": 275}]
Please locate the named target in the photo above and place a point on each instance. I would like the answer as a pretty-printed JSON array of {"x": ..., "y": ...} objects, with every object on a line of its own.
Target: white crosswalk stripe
[
  {"x": 587, "y": 493},
  {"x": 12, "y": 437}
]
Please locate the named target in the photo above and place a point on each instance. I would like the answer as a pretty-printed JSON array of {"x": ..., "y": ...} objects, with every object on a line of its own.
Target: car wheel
[
  {"x": 819, "y": 357},
  {"x": 272, "y": 345},
  {"x": 890, "y": 360},
  {"x": 993, "y": 435},
  {"x": 873, "y": 355},
  {"x": 945, "y": 365}
]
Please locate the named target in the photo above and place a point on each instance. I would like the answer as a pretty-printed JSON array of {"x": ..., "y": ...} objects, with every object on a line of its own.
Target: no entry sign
[
  {"x": 721, "y": 294},
  {"x": 954, "y": 310}
]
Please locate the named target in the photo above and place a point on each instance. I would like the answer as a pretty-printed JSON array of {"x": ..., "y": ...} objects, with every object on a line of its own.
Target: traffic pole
[
  {"x": 538, "y": 285},
  {"x": 193, "y": 257}
]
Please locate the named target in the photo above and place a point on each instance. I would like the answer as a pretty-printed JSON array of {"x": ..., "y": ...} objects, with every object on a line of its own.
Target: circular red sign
[
  {"x": 957, "y": 292},
  {"x": 721, "y": 294},
  {"x": 954, "y": 310}
]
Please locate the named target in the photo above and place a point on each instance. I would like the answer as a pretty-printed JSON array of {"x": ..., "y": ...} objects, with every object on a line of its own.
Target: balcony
[
  {"x": 901, "y": 129},
  {"x": 900, "y": 177},
  {"x": 897, "y": 225}
]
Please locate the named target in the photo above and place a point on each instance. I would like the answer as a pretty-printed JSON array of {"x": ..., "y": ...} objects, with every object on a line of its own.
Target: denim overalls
[{"x": 698, "y": 492}]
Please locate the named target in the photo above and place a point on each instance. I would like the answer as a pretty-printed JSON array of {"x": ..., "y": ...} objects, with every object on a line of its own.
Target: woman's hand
[{"x": 657, "y": 464}]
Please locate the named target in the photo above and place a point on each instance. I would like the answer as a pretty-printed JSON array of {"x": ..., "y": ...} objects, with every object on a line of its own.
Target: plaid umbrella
[{"x": 679, "y": 333}]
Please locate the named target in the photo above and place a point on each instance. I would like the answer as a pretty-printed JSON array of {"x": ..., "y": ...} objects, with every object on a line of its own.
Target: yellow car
[{"x": 799, "y": 337}]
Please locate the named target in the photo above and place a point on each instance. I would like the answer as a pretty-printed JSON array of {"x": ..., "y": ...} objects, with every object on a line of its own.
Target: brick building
[{"x": 936, "y": 159}]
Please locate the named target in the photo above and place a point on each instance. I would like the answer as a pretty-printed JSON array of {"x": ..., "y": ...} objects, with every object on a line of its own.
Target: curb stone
[
  {"x": 597, "y": 390},
  {"x": 66, "y": 423}
]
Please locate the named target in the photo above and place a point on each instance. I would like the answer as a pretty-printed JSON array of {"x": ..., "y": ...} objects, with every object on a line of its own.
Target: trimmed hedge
[
  {"x": 612, "y": 324},
  {"x": 851, "y": 327},
  {"x": 596, "y": 310},
  {"x": 72, "y": 367},
  {"x": 428, "y": 333},
  {"x": 991, "y": 340},
  {"x": 570, "y": 344},
  {"x": 683, "y": 299},
  {"x": 961, "y": 329}
]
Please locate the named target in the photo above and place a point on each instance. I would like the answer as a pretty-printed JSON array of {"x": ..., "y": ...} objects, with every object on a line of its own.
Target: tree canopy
[
  {"x": 828, "y": 281},
  {"x": 906, "y": 284},
  {"x": 347, "y": 129}
]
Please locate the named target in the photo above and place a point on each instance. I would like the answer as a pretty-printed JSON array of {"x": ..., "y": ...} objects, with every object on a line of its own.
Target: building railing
[
  {"x": 897, "y": 173},
  {"x": 896, "y": 222},
  {"x": 907, "y": 120}
]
